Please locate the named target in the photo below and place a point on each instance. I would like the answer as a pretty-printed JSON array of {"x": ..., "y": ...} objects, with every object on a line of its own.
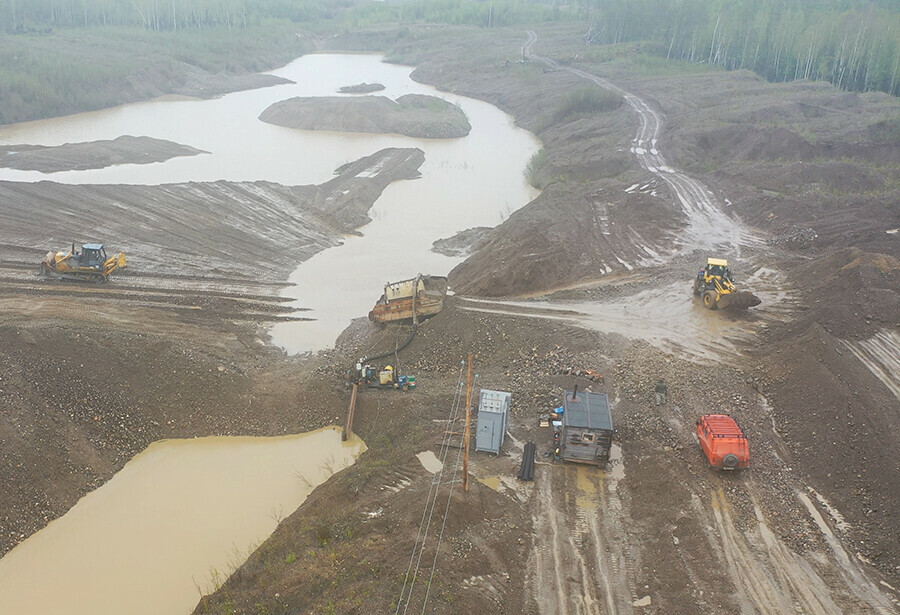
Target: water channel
[
  {"x": 184, "y": 513},
  {"x": 473, "y": 181}
]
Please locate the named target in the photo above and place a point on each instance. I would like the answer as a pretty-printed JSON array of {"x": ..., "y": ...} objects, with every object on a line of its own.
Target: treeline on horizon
[
  {"x": 854, "y": 44},
  {"x": 160, "y": 15},
  {"x": 63, "y": 56}
]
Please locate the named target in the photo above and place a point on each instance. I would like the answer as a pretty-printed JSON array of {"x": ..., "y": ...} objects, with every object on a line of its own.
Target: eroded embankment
[
  {"x": 251, "y": 230},
  {"x": 93, "y": 155}
]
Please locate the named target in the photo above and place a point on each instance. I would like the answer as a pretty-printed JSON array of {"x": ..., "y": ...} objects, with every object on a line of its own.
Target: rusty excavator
[{"x": 715, "y": 286}]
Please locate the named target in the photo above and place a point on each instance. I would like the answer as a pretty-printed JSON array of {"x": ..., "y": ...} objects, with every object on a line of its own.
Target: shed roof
[{"x": 587, "y": 409}]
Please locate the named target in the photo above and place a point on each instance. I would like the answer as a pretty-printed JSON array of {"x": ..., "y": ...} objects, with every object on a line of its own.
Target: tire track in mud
[
  {"x": 227, "y": 298},
  {"x": 546, "y": 576},
  {"x": 756, "y": 592},
  {"x": 881, "y": 356},
  {"x": 855, "y": 579},
  {"x": 579, "y": 564},
  {"x": 706, "y": 221},
  {"x": 670, "y": 319},
  {"x": 771, "y": 579}
]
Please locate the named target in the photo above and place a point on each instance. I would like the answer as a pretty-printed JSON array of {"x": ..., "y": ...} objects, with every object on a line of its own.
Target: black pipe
[
  {"x": 526, "y": 470},
  {"x": 388, "y": 353}
]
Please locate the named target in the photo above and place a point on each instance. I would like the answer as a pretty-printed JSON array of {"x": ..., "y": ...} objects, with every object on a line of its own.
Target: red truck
[{"x": 723, "y": 442}]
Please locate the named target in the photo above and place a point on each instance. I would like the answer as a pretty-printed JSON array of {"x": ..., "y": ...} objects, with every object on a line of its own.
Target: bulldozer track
[
  {"x": 228, "y": 297},
  {"x": 707, "y": 223},
  {"x": 881, "y": 356}
]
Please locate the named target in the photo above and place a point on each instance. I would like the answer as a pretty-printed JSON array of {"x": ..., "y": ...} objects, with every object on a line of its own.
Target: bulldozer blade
[{"x": 740, "y": 300}]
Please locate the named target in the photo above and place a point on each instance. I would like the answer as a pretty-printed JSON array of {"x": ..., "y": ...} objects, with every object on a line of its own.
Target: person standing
[{"x": 661, "y": 391}]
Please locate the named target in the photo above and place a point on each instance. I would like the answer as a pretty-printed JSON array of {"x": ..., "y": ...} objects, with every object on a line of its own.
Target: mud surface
[
  {"x": 413, "y": 115},
  {"x": 94, "y": 155},
  {"x": 91, "y": 375},
  {"x": 201, "y": 84},
  {"x": 362, "y": 88}
]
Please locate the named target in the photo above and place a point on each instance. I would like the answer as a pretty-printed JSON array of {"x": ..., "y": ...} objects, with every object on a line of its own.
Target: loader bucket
[{"x": 740, "y": 300}]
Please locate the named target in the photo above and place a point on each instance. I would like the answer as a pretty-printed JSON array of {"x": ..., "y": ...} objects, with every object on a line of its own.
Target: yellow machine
[
  {"x": 715, "y": 285},
  {"x": 87, "y": 263}
]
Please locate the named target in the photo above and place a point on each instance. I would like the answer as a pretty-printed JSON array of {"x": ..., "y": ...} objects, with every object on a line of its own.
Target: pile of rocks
[{"x": 795, "y": 237}]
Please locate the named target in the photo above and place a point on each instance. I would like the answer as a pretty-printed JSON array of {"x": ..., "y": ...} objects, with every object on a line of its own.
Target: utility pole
[
  {"x": 468, "y": 422},
  {"x": 348, "y": 429}
]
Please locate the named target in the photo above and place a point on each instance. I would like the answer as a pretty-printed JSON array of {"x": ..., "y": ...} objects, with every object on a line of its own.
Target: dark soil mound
[
  {"x": 94, "y": 155},
  {"x": 463, "y": 243},
  {"x": 412, "y": 115},
  {"x": 361, "y": 88}
]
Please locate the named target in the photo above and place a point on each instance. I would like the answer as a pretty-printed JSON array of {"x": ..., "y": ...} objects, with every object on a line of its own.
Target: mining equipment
[
  {"x": 415, "y": 298},
  {"x": 85, "y": 263},
  {"x": 715, "y": 285},
  {"x": 386, "y": 378}
]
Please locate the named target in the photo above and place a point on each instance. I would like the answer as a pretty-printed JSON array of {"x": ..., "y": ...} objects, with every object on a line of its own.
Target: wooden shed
[{"x": 587, "y": 428}]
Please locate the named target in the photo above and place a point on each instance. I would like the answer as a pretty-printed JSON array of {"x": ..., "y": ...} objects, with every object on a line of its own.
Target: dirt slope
[{"x": 244, "y": 230}]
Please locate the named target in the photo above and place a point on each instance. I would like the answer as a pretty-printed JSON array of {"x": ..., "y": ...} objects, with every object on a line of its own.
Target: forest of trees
[
  {"x": 854, "y": 44},
  {"x": 159, "y": 15}
]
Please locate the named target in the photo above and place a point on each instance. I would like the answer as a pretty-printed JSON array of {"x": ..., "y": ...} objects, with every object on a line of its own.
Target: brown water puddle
[
  {"x": 668, "y": 317},
  {"x": 174, "y": 522}
]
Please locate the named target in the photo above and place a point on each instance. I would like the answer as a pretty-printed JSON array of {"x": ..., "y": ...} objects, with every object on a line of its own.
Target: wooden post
[
  {"x": 468, "y": 422},
  {"x": 415, "y": 297},
  {"x": 350, "y": 411}
]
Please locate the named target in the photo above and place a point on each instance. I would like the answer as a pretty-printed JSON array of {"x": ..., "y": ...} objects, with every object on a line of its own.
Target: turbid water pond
[{"x": 174, "y": 522}]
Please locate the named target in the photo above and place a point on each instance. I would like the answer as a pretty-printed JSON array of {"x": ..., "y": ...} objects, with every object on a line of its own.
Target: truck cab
[{"x": 723, "y": 442}]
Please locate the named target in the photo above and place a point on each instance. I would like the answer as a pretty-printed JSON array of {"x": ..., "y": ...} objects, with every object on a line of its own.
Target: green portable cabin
[{"x": 587, "y": 428}]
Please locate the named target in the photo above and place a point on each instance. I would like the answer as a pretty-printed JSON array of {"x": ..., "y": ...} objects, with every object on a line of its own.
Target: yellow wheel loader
[
  {"x": 85, "y": 263},
  {"x": 715, "y": 286}
]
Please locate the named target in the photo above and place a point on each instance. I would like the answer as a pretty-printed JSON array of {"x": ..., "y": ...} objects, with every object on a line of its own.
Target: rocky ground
[{"x": 812, "y": 527}]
